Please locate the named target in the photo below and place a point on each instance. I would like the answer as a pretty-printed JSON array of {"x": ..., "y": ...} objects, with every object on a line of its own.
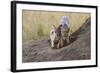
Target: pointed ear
[
  {"x": 59, "y": 26},
  {"x": 53, "y": 26}
]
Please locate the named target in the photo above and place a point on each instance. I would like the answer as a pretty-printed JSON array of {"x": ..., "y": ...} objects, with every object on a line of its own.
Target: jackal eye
[{"x": 52, "y": 32}]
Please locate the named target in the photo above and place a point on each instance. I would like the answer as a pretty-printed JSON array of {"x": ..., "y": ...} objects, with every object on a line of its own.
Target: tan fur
[
  {"x": 65, "y": 39},
  {"x": 66, "y": 35},
  {"x": 60, "y": 43}
]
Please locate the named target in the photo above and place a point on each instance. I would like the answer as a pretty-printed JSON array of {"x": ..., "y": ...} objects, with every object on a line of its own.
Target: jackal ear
[
  {"x": 53, "y": 26},
  {"x": 59, "y": 26}
]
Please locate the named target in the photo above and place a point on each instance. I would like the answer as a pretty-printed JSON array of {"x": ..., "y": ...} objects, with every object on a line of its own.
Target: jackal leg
[{"x": 60, "y": 43}]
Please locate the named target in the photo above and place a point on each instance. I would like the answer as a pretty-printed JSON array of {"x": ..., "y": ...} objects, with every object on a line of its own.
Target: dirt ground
[{"x": 78, "y": 49}]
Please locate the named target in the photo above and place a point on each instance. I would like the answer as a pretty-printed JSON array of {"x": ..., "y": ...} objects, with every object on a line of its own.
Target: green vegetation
[{"x": 37, "y": 24}]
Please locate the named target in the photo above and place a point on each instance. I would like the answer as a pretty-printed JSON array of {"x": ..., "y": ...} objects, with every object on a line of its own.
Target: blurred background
[{"x": 37, "y": 24}]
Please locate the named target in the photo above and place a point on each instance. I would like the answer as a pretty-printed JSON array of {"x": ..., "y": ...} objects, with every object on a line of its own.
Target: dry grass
[{"x": 37, "y": 24}]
